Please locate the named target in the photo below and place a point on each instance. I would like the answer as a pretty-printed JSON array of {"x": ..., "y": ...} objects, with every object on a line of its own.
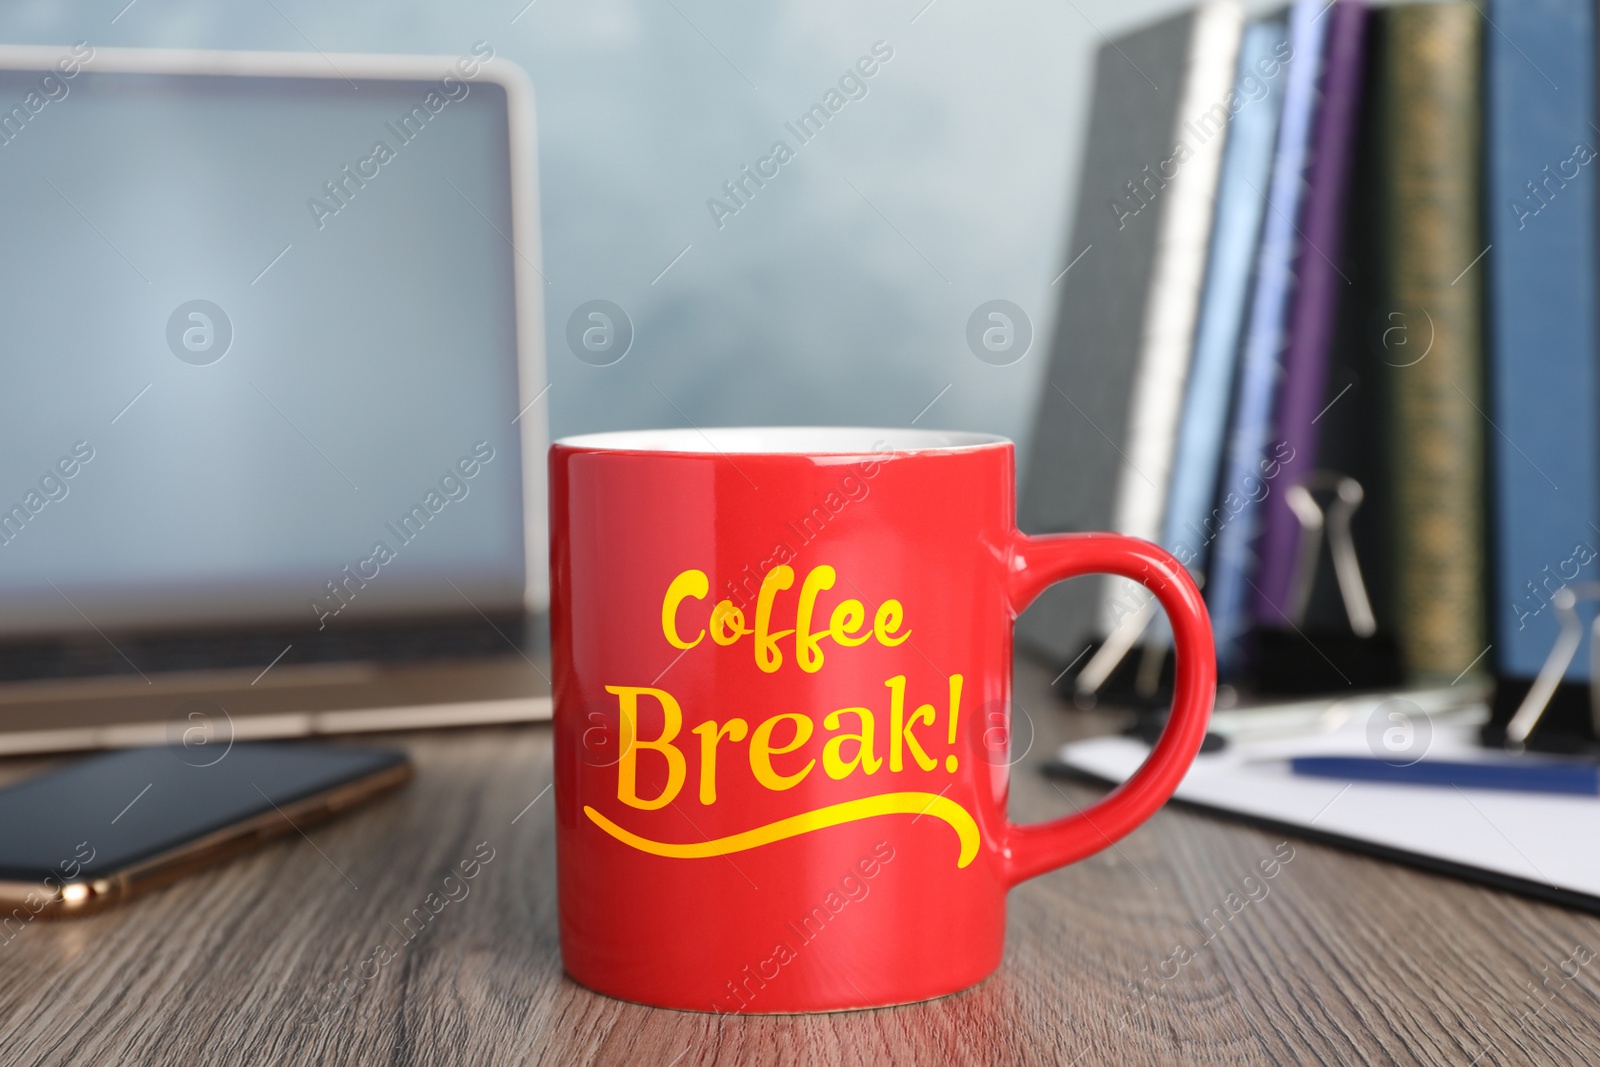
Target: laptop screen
[{"x": 259, "y": 358}]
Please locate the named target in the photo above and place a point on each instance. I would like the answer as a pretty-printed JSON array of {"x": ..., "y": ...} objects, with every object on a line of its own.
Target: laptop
[{"x": 272, "y": 380}]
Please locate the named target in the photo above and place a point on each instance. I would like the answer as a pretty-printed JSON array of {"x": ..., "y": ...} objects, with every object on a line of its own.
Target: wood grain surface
[{"x": 1338, "y": 959}]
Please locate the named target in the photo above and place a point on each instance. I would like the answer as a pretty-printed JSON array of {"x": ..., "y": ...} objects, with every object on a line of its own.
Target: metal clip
[
  {"x": 1533, "y": 706},
  {"x": 1348, "y": 496}
]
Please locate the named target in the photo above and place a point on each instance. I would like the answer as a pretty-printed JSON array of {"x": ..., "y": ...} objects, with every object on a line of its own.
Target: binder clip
[
  {"x": 1549, "y": 714},
  {"x": 1109, "y": 673},
  {"x": 1308, "y": 658}
]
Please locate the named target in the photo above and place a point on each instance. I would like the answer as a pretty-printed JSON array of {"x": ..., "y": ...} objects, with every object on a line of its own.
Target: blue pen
[{"x": 1534, "y": 776}]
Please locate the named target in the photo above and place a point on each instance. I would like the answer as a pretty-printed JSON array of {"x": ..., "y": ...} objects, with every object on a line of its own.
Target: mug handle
[{"x": 1037, "y": 562}]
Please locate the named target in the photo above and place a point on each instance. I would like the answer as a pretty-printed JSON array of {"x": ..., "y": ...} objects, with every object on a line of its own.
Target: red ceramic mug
[{"x": 782, "y": 657}]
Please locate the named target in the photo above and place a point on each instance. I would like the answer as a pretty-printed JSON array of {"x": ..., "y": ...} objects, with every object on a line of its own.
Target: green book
[{"x": 1430, "y": 336}]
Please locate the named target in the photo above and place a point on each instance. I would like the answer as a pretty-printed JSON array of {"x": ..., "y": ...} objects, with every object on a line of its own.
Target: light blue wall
[{"x": 841, "y": 293}]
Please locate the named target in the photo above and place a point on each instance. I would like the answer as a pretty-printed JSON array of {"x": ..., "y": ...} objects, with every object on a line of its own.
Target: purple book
[{"x": 1302, "y": 392}]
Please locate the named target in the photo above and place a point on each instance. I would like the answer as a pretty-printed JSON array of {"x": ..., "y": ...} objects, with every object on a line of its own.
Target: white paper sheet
[{"x": 1548, "y": 844}]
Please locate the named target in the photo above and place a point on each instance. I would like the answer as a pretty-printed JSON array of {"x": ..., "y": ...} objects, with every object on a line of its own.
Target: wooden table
[{"x": 1344, "y": 959}]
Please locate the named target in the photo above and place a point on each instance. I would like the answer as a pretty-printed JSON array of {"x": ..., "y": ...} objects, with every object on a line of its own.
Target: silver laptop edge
[{"x": 532, "y": 420}]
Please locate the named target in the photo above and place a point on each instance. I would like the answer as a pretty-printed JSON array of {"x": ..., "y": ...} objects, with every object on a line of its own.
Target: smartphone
[{"x": 108, "y": 828}]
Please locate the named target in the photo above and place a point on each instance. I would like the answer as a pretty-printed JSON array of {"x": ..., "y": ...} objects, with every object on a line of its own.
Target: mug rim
[{"x": 879, "y": 441}]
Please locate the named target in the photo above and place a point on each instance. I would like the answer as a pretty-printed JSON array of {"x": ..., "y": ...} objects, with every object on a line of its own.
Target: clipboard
[{"x": 1521, "y": 843}]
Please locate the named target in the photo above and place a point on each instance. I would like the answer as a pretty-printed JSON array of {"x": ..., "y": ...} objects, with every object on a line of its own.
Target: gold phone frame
[{"x": 76, "y": 897}]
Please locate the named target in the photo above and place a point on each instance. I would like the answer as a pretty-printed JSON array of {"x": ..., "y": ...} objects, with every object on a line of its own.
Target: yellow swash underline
[{"x": 833, "y": 815}]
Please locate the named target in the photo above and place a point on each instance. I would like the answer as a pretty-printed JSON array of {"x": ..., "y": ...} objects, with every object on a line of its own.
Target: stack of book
[{"x": 1329, "y": 337}]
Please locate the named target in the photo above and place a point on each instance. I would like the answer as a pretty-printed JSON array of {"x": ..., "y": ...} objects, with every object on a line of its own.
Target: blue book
[
  {"x": 1245, "y": 473},
  {"x": 1192, "y": 520},
  {"x": 1542, "y": 287}
]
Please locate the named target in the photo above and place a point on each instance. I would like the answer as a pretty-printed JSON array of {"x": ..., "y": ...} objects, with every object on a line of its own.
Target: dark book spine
[
  {"x": 1302, "y": 394},
  {"x": 1433, "y": 380}
]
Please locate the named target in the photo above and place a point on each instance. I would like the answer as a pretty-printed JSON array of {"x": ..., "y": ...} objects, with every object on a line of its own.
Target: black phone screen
[{"x": 104, "y": 814}]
